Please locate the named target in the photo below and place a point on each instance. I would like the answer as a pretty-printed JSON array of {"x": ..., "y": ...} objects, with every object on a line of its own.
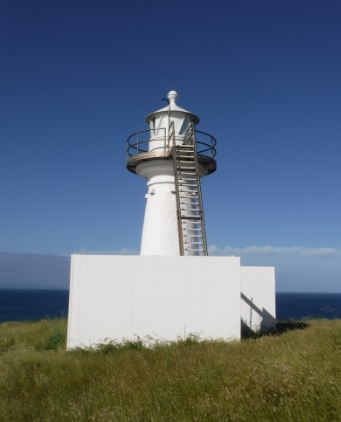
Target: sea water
[{"x": 21, "y": 305}]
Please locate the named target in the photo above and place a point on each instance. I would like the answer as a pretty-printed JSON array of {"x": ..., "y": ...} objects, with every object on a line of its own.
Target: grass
[{"x": 294, "y": 375}]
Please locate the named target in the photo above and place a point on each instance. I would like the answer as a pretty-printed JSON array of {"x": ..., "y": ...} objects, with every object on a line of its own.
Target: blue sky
[{"x": 78, "y": 77}]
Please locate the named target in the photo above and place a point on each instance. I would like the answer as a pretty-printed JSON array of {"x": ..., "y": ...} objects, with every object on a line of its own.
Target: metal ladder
[{"x": 190, "y": 212}]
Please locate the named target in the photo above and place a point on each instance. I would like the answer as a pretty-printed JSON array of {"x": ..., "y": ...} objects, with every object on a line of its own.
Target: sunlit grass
[{"x": 294, "y": 376}]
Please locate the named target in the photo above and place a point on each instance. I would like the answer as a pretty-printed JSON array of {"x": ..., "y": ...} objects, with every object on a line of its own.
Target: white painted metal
[{"x": 125, "y": 297}]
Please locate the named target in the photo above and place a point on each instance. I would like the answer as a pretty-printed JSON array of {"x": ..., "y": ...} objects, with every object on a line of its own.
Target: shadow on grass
[
  {"x": 281, "y": 328},
  {"x": 284, "y": 326}
]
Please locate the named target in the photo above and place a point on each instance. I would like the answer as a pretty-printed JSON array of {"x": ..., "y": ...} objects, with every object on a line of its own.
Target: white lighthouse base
[{"x": 166, "y": 298}]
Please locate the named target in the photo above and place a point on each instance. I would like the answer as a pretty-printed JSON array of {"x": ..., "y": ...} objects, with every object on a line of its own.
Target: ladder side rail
[
  {"x": 200, "y": 194},
  {"x": 178, "y": 205}
]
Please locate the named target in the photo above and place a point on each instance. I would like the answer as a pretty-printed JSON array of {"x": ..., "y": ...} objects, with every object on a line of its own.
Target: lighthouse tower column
[{"x": 160, "y": 227}]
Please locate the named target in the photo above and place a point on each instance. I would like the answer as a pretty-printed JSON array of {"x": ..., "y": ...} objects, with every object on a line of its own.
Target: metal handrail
[
  {"x": 137, "y": 145},
  {"x": 210, "y": 147},
  {"x": 141, "y": 146}
]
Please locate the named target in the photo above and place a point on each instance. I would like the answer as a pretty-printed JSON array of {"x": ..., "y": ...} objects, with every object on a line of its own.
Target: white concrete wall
[
  {"x": 116, "y": 297},
  {"x": 258, "y": 299}
]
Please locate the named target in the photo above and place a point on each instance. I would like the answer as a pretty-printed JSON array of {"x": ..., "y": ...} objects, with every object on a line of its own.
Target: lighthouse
[
  {"x": 173, "y": 289},
  {"x": 172, "y": 155}
]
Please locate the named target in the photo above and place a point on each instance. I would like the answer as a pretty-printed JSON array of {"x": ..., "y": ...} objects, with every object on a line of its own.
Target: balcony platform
[{"x": 209, "y": 164}]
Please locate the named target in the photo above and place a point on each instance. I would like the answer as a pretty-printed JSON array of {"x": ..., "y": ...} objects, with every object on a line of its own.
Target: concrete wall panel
[
  {"x": 214, "y": 292},
  {"x": 258, "y": 297},
  {"x": 116, "y": 297}
]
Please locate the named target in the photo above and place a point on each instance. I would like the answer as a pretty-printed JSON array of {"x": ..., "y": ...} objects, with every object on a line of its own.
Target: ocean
[{"x": 21, "y": 305}]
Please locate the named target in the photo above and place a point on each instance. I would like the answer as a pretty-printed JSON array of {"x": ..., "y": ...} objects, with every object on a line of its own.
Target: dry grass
[{"x": 295, "y": 376}]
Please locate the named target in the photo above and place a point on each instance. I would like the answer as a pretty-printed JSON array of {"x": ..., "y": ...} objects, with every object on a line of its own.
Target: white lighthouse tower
[
  {"x": 172, "y": 289},
  {"x": 172, "y": 155}
]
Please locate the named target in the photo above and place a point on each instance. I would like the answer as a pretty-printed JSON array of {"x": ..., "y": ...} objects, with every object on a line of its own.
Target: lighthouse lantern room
[{"x": 172, "y": 155}]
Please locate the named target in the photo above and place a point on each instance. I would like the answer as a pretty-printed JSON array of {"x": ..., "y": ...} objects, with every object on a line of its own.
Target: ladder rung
[
  {"x": 194, "y": 249},
  {"x": 191, "y": 179},
  {"x": 193, "y": 193},
  {"x": 188, "y": 186},
  {"x": 194, "y": 215},
  {"x": 186, "y": 173},
  {"x": 185, "y": 169},
  {"x": 192, "y": 229},
  {"x": 186, "y": 183},
  {"x": 186, "y": 154},
  {"x": 190, "y": 216},
  {"x": 182, "y": 168},
  {"x": 185, "y": 159},
  {"x": 186, "y": 162},
  {"x": 194, "y": 206}
]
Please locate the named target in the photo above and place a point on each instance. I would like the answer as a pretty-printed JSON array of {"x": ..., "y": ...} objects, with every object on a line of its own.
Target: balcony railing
[{"x": 137, "y": 144}]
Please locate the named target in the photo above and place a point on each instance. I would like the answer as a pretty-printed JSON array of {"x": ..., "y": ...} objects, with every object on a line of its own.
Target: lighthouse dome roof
[{"x": 172, "y": 96}]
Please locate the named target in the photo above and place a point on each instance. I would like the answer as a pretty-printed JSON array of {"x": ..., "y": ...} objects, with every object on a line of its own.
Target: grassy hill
[{"x": 294, "y": 375}]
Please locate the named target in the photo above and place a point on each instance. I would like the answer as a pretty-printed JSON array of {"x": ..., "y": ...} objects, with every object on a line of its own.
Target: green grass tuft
[{"x": 292, "y": 374}]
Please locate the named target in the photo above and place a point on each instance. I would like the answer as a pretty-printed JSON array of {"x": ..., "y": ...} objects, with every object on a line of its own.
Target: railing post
[{"x": 164, "y": 140}]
